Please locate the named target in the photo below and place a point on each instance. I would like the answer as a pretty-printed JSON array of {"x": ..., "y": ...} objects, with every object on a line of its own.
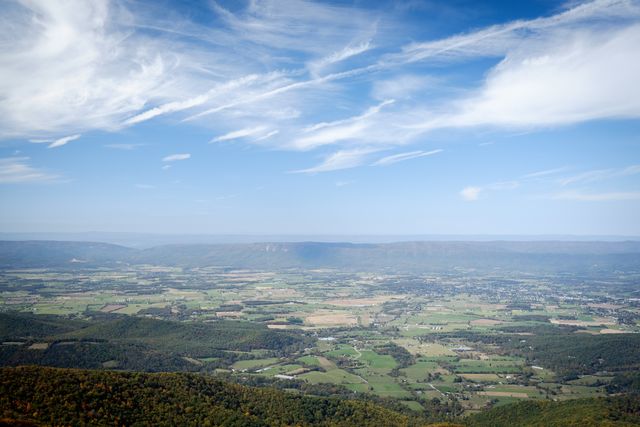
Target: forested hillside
[
  {"x": 69, "y": 397},
  {"x": 72, "y": 397},
  {"x": 622, "y": 411},
  {"x": 135, "y": 343}
]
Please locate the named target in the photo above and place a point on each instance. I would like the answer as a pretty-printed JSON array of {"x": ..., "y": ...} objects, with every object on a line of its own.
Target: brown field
[
  {"x": 39, "y": 346},
  {"x": 228, "y": 314},
  {"x": 426, "y": 349},
  {"x": 326, "y": 363},
  {"x": 439, "y": 308},
  {"x": 362, "y": 302},
  {"x": 503, "y": 394},
  {"x": 328, "y": 318},
  {"x": 605, "y": 305},
  {"x": 193, "y": 361},
  {"x": 597, "y": 322},
  {"x": 485, "y": 322},
  {"x": 298, "y": 371},
  {"x": 278, "y": 326},
  {"x": 364, "y": 319},
  {"x": 613, "y": 331},
  {"x": 480, "y": 377},
  {"x": 112, "y": 307}
]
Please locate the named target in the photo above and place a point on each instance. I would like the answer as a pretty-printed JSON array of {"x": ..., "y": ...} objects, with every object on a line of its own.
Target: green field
[{"x": 254, "y": 363}]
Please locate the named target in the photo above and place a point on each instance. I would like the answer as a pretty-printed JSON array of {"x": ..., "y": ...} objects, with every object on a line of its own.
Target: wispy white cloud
[
  {"x": 549, "y": 178},
  {"x": 347, "y": 52},
  {"x": 14, "y": 170},
  {"x": 176, "y": 157},
  {"x": 472, "y": 193},
  {"x": 325, "y": 133},
  {"x": 475, "y": 191},
  {"x": 287, "y": 25},
  {"x": 342, "y": 159},
  {"x": 68, "y": 68},
  {"x": 560, "y": 78},
  {"x": 63, "y": 141},
  {"x": 544, "y": 173},
  {"x": 388, "y": 160},
  {"x": 267, "y": 135},
  {"x": 499, "y": 40},
  {"x": 278, "y": 88},
  {"x": 401, "y": 86},
  {"x": 54, "y": 143},
  {"x": 600, "y": 175},
  {"x": 170, "y": 107},
  {"x": 240, "y": 133},
  {"x": 175, "y": 106}
]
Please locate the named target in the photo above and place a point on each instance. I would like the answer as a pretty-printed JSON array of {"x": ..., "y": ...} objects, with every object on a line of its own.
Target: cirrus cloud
[{"x": 176, "y": 157}]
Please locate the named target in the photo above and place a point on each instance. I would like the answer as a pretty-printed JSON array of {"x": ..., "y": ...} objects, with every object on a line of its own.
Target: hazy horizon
[{"x": 144, "y": 240}]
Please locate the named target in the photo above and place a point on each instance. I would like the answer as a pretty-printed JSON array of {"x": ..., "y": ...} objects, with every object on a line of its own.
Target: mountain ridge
[{"x": 410, "y": 256}]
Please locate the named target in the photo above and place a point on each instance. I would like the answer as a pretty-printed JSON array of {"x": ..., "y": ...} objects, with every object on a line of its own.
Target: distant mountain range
[
  {"x": 534, "y": 256},
  {"x": 148, "y": 240}
]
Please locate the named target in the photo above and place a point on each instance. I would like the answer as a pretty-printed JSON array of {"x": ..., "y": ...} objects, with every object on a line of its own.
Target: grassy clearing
[
  {"x": 425, "y": 349},
  {"x": 342, "y": 350},
  {"x": 412, "y": 404},
  {"x": 530, "y": 391},
  {"x": 487, "y": 366},
  {"x": 280, "y": 369},
  {"x": 334, "y": 376},
  {"x": 383, "y": 385},
  {"x": 492, "y": 378},
  {"x": 254, "y": 363},
  {"x": 419, "y": 370},
  {"x": 377, "y": 361},
  {"x": 309, "y": 360}
]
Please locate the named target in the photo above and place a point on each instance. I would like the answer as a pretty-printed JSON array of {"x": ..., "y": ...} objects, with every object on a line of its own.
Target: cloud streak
[
  {"x": 241, "y": 133},
  {"x": 16, "y": 170},
  {"x": 55, "y": 143},
  {"x": 176, "y": 157},
  {"x": 473, "y": 193},
  {"x": 342, "y": 159},
  {"x": 600, "y": 175},
  {"x": 63, "y": 141},
  {"x": 389, "y": 160}
]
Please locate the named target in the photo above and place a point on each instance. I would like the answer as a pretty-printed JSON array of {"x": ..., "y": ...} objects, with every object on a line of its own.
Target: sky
[{"x": 320, "y": 118}]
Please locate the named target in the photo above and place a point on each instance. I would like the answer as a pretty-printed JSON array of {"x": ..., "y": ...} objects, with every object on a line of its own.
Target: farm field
[{"x": 464, "y": 341}]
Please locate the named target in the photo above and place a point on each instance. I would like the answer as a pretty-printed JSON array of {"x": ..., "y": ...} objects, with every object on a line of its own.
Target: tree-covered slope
[
  {"x": 50, "y": 254},
  {"x": 135, "y": 343},
  {"x": 196, "y": 339},
  {"x": 20, "y": 325},
  {"x": 75, "y": 397},
  {"x": 619, "y": 411},
  {"x": 575, "y": 354}
]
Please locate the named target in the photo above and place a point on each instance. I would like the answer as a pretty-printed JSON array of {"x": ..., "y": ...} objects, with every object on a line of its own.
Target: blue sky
[{"x": 300, "y": 117}]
